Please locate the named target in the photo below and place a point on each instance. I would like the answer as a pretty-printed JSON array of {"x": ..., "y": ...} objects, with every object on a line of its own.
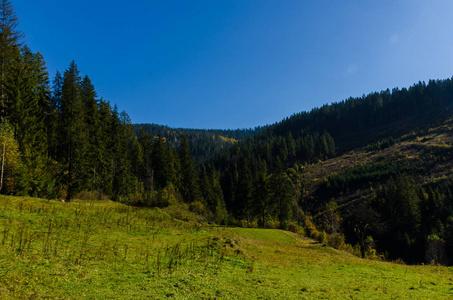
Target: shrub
[
  {"x": 90, "y": 195},
  {"x": 310, "y": 229},
  {"x": 337, "y": 241},
  {"x": 221, "y": 215},
  {"x": 273, "y": 224},
  {"x": 294, "y": 227},
  {"x": 197, "y": 207},
  {"x": 323, "y": 238},
  {"x": 370, "y": 251}
]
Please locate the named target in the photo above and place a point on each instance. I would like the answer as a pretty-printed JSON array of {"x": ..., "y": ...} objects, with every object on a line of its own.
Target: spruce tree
[
  {"x": 243, "y": 195},
  {"x": 91, "y": 120},
  {"x": 10, "y": 41},
  {"x": 188, "y": 183},
  {"x": 281, "y": 192},
  {"x": 123, "y": 180},
  {"x": 27, "y": 93},
  {"x": 163, "y": 171},
  {"x": 261, "y": 198},
  {"x": 52, "y": 120},
  {"x": 105, "y": 143},
  {"x": 146, "y": 175},
  {"x": 72, "y": 133}
]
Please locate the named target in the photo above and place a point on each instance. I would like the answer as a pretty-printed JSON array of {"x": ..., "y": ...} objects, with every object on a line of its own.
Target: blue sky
[{"x": 239, "y": 64}]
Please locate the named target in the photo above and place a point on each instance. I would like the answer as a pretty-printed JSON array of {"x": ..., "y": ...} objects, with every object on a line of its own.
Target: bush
[
  {"x": 273, "y": 224},
  {"x": 310, "y": 229},
  {"x": 370, "y": 251},
  {"x": 254, "y": 224},
  {"x": 337, "y": 241},
  {"x": 90, "y": 195},
  {"x": 323, "y": 238},
  {"x": 197, "y": 207},
  {"x": 134, "y": 200},
  {"x": 294, "y": 227},
  {"x": 221, "y": 215}
]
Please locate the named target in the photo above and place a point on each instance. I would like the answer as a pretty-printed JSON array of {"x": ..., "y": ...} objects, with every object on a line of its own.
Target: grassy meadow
[{"x": 106, "y": 250}]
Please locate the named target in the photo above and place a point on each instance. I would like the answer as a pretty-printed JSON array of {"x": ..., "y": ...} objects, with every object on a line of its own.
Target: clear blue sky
[{"x": 239, "y": 64}]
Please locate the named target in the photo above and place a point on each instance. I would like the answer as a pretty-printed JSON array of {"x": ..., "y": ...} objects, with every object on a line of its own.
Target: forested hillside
[
  {"x": 204, "y": 143},
  {"x": 370, "y": 170},
  {"x": 365, "y": 171}
]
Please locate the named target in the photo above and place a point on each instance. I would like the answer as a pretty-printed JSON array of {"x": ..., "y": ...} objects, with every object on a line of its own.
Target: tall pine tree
[
  {"x": 10, "y": 41},
  {"x": 72, "y": 133}
]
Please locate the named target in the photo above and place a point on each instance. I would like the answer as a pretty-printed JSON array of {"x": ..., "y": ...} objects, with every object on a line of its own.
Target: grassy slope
[
  {"x": 430, "y": 151},
  {"x": 99, "y": 250}
]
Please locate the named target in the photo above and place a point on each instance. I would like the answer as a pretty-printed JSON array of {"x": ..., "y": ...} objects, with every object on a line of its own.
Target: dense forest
[
  {"x": 204, "y": 143},
  {"x": 59, "y": 139}
]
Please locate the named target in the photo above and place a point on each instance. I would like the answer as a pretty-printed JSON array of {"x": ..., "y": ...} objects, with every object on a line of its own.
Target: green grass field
[{"x": 105, "y": 250}]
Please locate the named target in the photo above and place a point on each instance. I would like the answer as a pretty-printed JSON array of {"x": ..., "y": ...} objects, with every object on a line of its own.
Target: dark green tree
[
  {"x": 146, "y": 175},
  {"x": 72, "y": 132},
  {"x": 123, "y": 138},
  {"x": 52, "y": 120},
  {"x": 188, "y": 186},
  {"x": 243, "y": 194},
  {"x": 91, "y": 122},
  {"x": 104, "y": 181},
  {"x": 261, "y": 195},
  {"x": 10, "y": 42},
  {"x": 398, "y": 204},
  {"x": 281, "y": 193}
]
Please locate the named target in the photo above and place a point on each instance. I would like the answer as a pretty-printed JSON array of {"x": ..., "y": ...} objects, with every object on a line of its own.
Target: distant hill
[{"x": 204, "y": 142}]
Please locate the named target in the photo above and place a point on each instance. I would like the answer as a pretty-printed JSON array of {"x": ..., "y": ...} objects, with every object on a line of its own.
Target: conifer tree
[
  {"x": 91, "y": 122},
  {"x": 72, "y": 133},
  {"x": 281, "y": 192},
  {"x": 35, "y": 110},
  {"x": 123, "y": 180},
  {"x": 211, "y": 190},
  {"x": 27, "y": 93},
  {"x": 162, "y": 162},
  {"x": 188, "y": 183},
  {"x": 10, "y": 41},
  {"x": 104, "y": 183},
  {"x": 243, "y": 195},
  {"x": 291, "y": 146},
  {"x": 52, "y": 120},
  {"x": 146, "y": 175},
  {"x": 261, "y": 195}
]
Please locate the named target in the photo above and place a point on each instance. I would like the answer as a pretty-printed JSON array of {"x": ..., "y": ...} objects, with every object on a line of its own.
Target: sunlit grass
[{"x": 102, "y": 249}]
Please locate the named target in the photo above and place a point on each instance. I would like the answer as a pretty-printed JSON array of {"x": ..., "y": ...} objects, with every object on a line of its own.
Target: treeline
[
  {"x": 204, "y": 143},
  {"x": 375, "y": 111},
  {"x": 57, "y": 140}
]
